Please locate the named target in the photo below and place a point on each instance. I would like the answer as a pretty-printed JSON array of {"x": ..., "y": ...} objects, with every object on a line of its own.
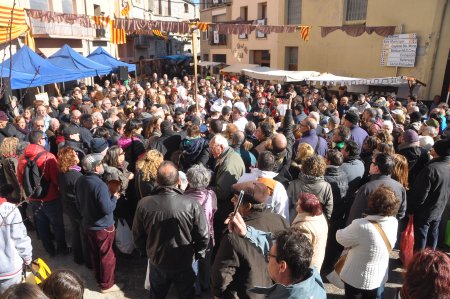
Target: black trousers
[{"x": 354, "y": 293}]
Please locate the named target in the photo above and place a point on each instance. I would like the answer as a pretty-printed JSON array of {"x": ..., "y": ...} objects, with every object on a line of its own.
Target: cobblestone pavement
[{"x": 131, "y": 270}]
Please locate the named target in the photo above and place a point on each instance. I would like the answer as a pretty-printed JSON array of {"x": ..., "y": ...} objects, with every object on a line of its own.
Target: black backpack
[{"x": 34, "y": 183}]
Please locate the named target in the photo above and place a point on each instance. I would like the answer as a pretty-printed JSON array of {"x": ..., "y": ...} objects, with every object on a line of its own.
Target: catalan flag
[
  {"x": 202, "y": 26},
  {"x": 15, "y": 26},
  {"x": 125, "y": 8},
  {"x": 160, "y": 34},
  {"x": 304, "y": 32},
  {"x": 101, "y": 21},
  {"x": 118, "y": 36}
]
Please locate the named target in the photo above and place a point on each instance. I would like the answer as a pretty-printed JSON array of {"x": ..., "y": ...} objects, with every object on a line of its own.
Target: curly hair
[
  {"x": 383, "y": 201},
  {"x": 148, "y": 164},
  {"x": 8, "y": 148},
  {"x": 427, "y": 276},
  {"x": 314, "y": 166},
  {"x": 385, "y": 136},
  {"x": 304, "y": 151},
  {"x": 230, "y": 130},
  {"x": 309, "y": 203},
  {"x": 67, "y": 158}
]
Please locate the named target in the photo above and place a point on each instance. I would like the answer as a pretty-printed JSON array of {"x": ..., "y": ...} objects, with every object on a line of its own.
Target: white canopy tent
[
  {"x": 266, "y": 73},
  {"x": 238, "y": 67},
  {"x": 209, "y": 63},
  {"x": 330, "y": 79}
]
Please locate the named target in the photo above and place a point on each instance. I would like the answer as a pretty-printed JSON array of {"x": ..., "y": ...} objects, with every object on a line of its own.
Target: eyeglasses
[{"x": 268, "y": 255}]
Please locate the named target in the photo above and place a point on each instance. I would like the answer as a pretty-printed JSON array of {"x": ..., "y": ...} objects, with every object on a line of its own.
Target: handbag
[
  {"x": 407, "y": 242},
  {"x": 124, "y": 239},
  {"x": 334, "y": 276},
  {"x": 38, "y": 272}
]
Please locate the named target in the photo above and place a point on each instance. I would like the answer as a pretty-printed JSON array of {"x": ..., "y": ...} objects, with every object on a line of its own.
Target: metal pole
[{"x": 194, "y": 52}]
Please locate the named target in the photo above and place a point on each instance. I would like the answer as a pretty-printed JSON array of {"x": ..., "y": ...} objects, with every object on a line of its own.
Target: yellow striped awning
[{"x": 14, "y": 29}]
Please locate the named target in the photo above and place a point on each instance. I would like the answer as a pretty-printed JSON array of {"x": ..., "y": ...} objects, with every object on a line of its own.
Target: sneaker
[{"x": 115, "y": 288}]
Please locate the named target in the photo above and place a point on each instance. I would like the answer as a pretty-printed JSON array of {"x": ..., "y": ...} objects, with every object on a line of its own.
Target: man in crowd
[
  {"x": 173, "y": 230},
  {"x": 308, "y": 129},
  {"x": 97, "y": 203},
  {"x": 357, "y": 134}
]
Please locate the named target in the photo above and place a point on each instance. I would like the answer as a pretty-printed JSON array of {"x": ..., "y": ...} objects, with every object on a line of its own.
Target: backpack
[{"x": 34, "y": 183}]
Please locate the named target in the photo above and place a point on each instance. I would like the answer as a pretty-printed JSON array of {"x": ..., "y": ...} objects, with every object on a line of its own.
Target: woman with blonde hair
[
  {"x": 9, "y": 160},
  {"x": 400, "y": 171},
  {"x": 146, "y": 167},
  {"x": 304, "y": 151}
]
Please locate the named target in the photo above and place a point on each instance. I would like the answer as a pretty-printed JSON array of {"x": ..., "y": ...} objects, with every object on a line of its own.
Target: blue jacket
[
  {"x": 95, "y": 202},
  {"x": 358, "y": 135},
  {"x": 312, "y": 139}
]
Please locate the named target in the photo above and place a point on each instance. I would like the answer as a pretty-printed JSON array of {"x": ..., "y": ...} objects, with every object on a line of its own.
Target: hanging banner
[{"x": 216, "y": 37}]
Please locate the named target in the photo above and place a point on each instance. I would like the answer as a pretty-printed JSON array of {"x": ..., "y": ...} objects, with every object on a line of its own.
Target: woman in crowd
[
  {"x": 368, "y": 147},
  {"x": 131, "y": 142},
  {"x": 304, "y": 151},
  {"x": 427, "y": 276},
  {"x": 21, "y": 125},
  {"x": 70, "y": 172},
  {"x": 366, "y": 267},
  {"x": 23, "y": 291},
  {"x": 146, "y": 167},
  {"x": 9, "y": 160},
  {"x": 311, "y": 222},
  {"x": 311, "y": 180},
  {"x": 63, "y": 284},
  {"x": 199, "y": 177}
]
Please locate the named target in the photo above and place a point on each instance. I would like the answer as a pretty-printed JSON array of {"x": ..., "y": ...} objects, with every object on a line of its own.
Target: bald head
[
  {"x": 279, "y": 143},
  {"x": 167, "y": 175}
]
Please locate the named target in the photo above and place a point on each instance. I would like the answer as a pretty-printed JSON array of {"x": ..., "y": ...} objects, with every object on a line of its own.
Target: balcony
[
  {"x": 215, "y": 3},
  {"x": 73, "y": 31}
]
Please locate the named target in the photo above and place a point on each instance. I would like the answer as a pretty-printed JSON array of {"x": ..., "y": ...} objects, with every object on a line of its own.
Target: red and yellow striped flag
[
  {"x": 202, "y": 26},
  {"x": 160, "y": 34},
  {"x": 118, "y": 36},
  {"x": 15, "y": 27},
  {"x": 304, "y": 32},
  {"x": 126, "y": 8}
]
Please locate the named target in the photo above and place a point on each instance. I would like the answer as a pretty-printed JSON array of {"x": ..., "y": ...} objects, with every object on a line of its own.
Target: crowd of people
[{"x": 322, "y": 172}]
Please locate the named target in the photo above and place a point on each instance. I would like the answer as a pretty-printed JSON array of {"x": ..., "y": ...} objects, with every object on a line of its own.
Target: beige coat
[{"x": 316, "y": 229}]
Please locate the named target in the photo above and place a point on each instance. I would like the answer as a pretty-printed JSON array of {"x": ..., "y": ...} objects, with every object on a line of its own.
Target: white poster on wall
[{"x": 216, "y": 37}]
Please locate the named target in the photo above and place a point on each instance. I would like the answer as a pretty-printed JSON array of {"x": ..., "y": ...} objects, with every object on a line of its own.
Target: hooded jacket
[
  {"x": 310, "y": 184},
  {"x": 195, "y": 151},
  {"x": 47, "y": 164},
  {"x": 15, "y": 245}
]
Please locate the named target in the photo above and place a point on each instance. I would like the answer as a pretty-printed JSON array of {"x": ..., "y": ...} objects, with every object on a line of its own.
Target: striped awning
[{"x": 13, "y": 29}]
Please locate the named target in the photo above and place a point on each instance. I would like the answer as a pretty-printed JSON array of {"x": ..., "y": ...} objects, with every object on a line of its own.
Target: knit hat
[
  {"x": 352, "y": 117},
  {"x": 3, "y": 116},
  {"x": 255, "y": 192},
  {"x": 228, "y": 94},
  {"x": 410, "y": 136},
  {"x": 240, "y": 106},
  {"x": 442, "y": 147},
  {"x": 98, "y": 145}
]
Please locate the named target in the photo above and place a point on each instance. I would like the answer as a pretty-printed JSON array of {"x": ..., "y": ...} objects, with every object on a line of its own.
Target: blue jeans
[
  {"x": 49, "y": 215},
  {"x": 426, "y": 233},
  {"x": 160, "y": 281},
  {"x": 202, "y": 268}
]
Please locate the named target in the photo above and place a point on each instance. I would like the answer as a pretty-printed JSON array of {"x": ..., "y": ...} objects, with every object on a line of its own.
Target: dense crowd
[{"x": 322, "y": 173}]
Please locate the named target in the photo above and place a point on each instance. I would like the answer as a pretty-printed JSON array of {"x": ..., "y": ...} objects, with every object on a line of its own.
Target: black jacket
[
  {"x": 417, "y": 159},
  {"x": 172, "y": 228},
  {"x": 431, "y": 190},
  {"x": 167, "y": 144},
  {"x": 338, "y": 181},
  {"x": 10, "y": 131},
  {"x": 239, "y": 265},
  {"x": 66, "y": 182}
]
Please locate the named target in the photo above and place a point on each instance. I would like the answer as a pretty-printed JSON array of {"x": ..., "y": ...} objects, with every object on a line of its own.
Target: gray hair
[
  {"x": 220, "y": 140},
  {"x": 198, "y": 176}
]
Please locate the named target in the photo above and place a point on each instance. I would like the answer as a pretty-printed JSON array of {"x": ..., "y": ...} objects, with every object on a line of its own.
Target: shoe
[{"x": 115, "y": 288}]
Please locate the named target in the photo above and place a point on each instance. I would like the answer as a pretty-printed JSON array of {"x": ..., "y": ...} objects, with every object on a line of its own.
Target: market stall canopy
[
  {"x": 327, "y": 78},
  {"x": 18, "y": 79},
  {"x": 238, "y": 67},
  {"x": 101, "y": 56},
  {"x": 266, "y": 73},
  {"x": 209, "y": 63},
  {"x": 43, "y": 71},
  {"x": 68, "y": 58}
]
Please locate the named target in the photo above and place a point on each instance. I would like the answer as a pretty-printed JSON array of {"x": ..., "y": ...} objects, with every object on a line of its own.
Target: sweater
[
  {"x": 367, "y": 263},
  {"x": 15, "y": 245},
  {"x": 95, "y": 202}
]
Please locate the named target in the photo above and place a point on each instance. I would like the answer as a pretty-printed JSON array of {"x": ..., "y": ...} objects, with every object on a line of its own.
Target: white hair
[
  {"x": 389, "y": 124},
  {"x": 97, "y": 115},
  {"x": 315, "y": 115},
  {"x": 220, "y": 140}
]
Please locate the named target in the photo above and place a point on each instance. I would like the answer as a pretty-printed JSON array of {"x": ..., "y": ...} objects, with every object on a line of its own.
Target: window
[
  {"x": 261, "y": 57},
  {"x": 186, "y": 8},
  {"x": 244, "y": 17},
  {"x": 159, "y": 7},
  {"x": 219, "y": 58},
  {"x": 40, "y": 4},
  {"x": 356, "y": 10},
  {"x": 205, "y": 35},
  {"x": 293, "y": 12},
  {"x": 67, "y": 6},
  {"x": 291, "y": 55},
  {"x": 262, "y": 18},
  {"x": 169, "y": 8},
  {"x": 205, "y": 57},
  {"x": 216, "y": 38}
]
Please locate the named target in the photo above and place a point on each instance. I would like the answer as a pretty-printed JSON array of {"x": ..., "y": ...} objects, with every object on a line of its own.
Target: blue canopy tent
[
  {"x": 103, "y": 57},
  {"x": 19, "y": 79},
  {"x": 25, "y": 61},
  {"x": 68, "y": 58}
]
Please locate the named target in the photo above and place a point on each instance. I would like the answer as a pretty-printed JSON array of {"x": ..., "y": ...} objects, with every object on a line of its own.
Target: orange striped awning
[{"x": 16, "y": 28}]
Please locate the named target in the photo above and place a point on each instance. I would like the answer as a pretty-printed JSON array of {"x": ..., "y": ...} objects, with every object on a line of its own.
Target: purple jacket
[
  {"x": 311, "y": 138},
  {"x": 208, "y": 200},
  {"x": 358, "y": 135}
]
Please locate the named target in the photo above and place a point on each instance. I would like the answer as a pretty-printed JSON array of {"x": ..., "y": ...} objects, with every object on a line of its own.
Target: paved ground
[{"x": 131, "y": 270}]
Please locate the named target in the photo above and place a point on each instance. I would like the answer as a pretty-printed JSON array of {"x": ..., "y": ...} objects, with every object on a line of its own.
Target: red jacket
[{"x": 51, "y": 170}]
